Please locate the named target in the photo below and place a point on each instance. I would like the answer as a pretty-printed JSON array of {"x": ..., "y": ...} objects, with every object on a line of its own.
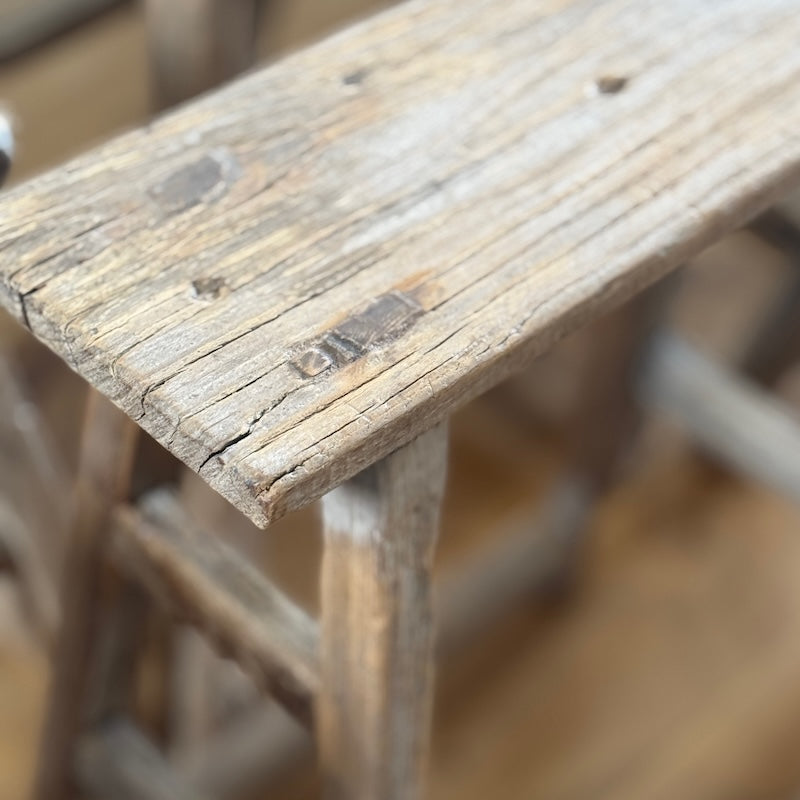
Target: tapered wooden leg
[
  {"x": 103, "y": 478},
  {"x": 374, "y": 709}
]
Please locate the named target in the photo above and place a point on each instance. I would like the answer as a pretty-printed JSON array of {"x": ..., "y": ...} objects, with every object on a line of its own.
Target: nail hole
[
  {"x": 355, "y": 78},
  {"x": 208, "y": 288},
  {"x": 610, "y": 84}
]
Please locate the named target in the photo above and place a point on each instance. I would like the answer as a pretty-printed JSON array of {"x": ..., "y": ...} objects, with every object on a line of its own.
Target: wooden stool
[{"x": 292, "y": 283}]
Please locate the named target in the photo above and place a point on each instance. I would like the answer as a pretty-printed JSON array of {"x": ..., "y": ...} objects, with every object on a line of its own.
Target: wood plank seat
[
  {"x": 286, "y": 280},
  {"x": 292, "y": 281}
]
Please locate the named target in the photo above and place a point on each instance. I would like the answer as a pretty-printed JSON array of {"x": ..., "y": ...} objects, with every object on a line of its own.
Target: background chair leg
[
  {"x": 33, "y": 525},
  {"x": 374, "y": 709},
  {"x": 775, "y": 347},
  {"x": 104, "y": 473},
  {"x": 196, "y": 45},
  {"x": 608, "y": 418}
]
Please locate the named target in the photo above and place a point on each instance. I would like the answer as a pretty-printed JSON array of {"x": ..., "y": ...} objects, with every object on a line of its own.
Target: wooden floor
[{"x": 672, "y": 670}]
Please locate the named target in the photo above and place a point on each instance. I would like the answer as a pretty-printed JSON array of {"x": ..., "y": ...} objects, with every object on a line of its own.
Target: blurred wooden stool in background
[{"x": 290, "y": 344}]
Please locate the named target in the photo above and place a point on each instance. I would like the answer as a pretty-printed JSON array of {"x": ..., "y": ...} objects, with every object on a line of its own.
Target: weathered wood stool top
[{"x": 285, "y": 281}]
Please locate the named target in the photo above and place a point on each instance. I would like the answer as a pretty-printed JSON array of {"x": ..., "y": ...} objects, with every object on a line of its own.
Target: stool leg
[
  {"x": 107, "y": 454},
  {"x": 377, "y": 631}
]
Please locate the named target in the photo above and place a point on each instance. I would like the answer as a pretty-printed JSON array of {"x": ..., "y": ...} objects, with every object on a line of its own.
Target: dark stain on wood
[
  {"x": 208, "y": 288},
  {"x": 191, "y": 184},
  {"x": 382, "y": 321}
]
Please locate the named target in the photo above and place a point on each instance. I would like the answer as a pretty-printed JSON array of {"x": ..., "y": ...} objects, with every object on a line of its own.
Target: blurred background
[{"x": 663, "y": 658}]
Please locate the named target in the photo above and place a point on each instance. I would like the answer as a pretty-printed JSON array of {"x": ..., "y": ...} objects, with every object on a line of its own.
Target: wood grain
[
  {"x": 208, "y": 584},
  {"x": 375, "y": 704},
  {"x": 288, "y": 280}
]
